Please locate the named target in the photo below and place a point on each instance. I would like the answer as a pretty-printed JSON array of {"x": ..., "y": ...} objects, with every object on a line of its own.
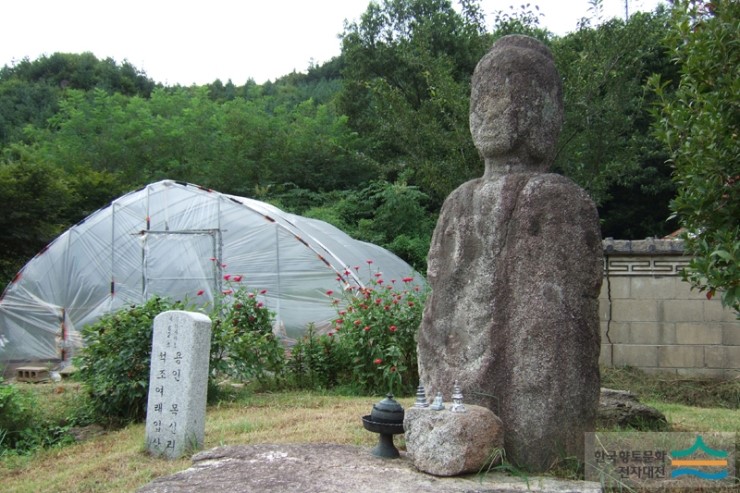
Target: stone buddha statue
[{"x": 515, "y": 266}]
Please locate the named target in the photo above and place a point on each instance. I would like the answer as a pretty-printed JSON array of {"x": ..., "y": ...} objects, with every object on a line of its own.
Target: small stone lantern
[{"x": 386, "y": 419}]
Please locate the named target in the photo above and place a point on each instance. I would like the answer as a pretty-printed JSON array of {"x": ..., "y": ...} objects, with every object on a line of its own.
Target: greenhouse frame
[{"x": 183, "y": 242}]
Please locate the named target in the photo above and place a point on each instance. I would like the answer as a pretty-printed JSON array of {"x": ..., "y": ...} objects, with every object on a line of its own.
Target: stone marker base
[{"x": 444, "y": 443}]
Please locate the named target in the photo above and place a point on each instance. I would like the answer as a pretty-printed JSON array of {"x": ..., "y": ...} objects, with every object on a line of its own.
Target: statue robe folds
[{"x": 515, "y": 267}]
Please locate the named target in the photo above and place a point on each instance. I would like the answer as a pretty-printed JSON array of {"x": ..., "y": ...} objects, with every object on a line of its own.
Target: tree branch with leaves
[{"x": 700, "y": 123}]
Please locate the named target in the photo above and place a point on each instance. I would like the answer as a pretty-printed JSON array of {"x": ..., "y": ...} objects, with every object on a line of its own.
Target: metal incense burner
[{"x": 386, "y": 419}]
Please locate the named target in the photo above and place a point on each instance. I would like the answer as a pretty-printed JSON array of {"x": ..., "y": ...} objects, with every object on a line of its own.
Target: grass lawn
[
  {"x": 689, "y": 418},
  {"x": 116, "y": 461}
]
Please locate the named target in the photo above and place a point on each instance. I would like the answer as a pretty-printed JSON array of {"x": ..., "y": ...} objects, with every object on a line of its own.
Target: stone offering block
[
  {"x": 444, "y": 443},
  {"x": 178, "y": 382}
]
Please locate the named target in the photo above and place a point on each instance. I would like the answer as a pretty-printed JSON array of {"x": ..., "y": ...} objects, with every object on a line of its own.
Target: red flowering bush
[
  {"x": 242, "y": 343},
  {"x": 376, "y": 329}
]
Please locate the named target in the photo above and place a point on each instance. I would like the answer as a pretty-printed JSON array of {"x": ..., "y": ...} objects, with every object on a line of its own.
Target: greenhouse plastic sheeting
[{"x": 176, "y": 239}]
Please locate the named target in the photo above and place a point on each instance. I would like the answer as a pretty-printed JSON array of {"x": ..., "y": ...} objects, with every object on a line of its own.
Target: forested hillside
[{"x": 371, "y": 141}]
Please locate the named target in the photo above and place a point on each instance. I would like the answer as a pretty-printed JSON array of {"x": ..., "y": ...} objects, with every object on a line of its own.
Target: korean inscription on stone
[{"x": 178, "y": 380}]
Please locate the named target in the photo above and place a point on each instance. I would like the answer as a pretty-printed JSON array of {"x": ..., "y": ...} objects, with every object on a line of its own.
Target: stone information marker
[{"x": 178, "y": 382}]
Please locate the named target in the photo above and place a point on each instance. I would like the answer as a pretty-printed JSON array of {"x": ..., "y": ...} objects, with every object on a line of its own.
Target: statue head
[{"x": 516, "y": 106}]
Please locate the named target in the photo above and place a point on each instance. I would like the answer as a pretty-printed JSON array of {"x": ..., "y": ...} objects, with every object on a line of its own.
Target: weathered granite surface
[
  {"x": 515, "y": 266},
  {"x": 445, "y": 443},
  {"x": 329, "y": 468}
]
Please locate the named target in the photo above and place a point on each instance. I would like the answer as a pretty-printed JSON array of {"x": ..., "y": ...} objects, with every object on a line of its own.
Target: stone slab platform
[{"x": 330, "y": 468}]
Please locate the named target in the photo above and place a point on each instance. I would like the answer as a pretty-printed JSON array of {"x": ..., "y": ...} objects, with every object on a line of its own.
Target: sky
[{"x": 190, "y": 42}]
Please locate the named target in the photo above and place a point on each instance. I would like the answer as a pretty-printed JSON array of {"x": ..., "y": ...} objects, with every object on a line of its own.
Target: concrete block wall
[{"x": 652, "y": 320}]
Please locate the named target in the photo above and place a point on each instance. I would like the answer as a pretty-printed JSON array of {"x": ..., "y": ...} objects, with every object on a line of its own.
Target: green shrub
[
  {"x": 24, "y": 427},
  {"x": 243, "y": 345},
  {"x": 114, "y": 364},
  {"x": 376, "y": 330},
  {"x": 316, "y": 361},
  {"x": 16, "y": 414}
]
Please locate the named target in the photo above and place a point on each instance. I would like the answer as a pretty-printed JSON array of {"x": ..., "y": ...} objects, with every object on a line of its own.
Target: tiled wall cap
[{"x": 648, "y": 246}]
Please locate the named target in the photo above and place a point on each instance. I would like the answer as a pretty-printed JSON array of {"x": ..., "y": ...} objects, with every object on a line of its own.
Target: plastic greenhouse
[{"x": 176, "y": 239}]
